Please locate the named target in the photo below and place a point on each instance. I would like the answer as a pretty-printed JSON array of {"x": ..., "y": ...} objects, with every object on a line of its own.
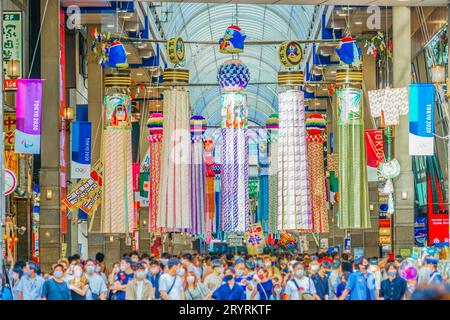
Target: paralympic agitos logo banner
[{"x": 28, "y": 116}]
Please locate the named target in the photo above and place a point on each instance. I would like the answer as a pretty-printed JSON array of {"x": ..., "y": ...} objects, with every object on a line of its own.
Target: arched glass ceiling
[{"x": 207, "y": 22}]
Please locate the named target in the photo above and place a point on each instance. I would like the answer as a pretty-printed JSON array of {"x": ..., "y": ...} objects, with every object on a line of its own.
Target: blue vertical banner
[
  {"x": 421, "y": 119},
  {"x": 80, "y": 167}
]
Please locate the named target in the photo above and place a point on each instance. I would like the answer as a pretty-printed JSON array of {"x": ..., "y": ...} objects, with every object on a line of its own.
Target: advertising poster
[
  {"x": 255, "y": 240},
  {"x": 144, "y": 188},
  {"x": 421, "y": 119},
  {"x": 420, "y": 232}
]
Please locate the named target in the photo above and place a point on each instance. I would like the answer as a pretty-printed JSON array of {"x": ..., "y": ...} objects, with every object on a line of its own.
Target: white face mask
[
  {"x": 190, "y": 279},
  {"x": 78, "y": 273},
  {"x": 123, "y": 268},
  {"x": 98, "y": 269},
  {"x": 181, "y": 272}
]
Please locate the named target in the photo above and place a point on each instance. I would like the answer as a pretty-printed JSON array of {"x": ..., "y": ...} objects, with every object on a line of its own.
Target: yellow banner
[{"x": 254, "y": 239}]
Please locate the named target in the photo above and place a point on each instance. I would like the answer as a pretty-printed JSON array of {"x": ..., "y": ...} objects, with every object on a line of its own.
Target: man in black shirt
[
  {"x": 346, "y": 264},
  {"x": 320, "y": 280},
  {"x": 394, "y": 287}
]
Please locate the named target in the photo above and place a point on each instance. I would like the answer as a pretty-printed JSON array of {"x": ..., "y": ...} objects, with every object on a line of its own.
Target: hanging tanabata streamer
[
  {"x": 174, "y": 202},
  {"x": 233, "y": 77},
  {"x": 175, "y": 192},
  {"x": 210, "y": 193},
  {"x": 117, "y": 206},
  {"x": 198, "y": 192},
  {"x": 263, "y": 197},
  {"x": 316, "y": 126},
  {"x": 155, "y": 126},
  {"x": 272, "y": 132},
  {"x": 294, "y": 212},
  {"x": 353, "y": 186}
]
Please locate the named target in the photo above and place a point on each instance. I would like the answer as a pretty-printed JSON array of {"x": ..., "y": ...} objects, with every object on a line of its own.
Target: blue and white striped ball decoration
[{"x": 233, "y": 75}]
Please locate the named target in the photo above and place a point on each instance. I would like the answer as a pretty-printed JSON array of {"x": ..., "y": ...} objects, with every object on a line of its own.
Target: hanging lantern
[
  {"x": 438, "y": 74},
  {"x": 354, "y": 212},
  {"x": 233, "y": 75},
  {"x": 316, "y": 125}
]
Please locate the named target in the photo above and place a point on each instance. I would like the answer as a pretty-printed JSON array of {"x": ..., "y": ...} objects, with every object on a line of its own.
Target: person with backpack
[{"x": 300, "y": 287}]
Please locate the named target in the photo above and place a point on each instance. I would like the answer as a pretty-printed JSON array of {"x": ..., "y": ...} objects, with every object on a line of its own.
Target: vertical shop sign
[
  {"x": 9, "y": 127},
  {"x": 12, "y": 48}
]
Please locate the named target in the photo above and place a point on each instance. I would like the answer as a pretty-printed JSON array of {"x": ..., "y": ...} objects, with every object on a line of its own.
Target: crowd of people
[{"x": 227, "y": 277}]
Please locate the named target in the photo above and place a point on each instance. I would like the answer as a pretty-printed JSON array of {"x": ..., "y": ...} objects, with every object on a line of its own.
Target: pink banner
[{"x": 28, "y": 116}]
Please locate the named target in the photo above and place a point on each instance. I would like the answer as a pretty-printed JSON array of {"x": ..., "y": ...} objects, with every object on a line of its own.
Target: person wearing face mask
[
  {"x": 214, "y": 280},
  {"x": 171, "y": 282},
  {"x": 394, "y": 287},
  {"x": 374, "y": 279},
  {"x": 270, "y": 267},
  {"x": 320, "y": 280},
  {"x": 264, "y": 285},
  {"x": 97, "y": 285},
  {"x": 78, "y": 284},
  {"x": 139, "y": 288},
  {"x": 187, "y": 262},
  {"x": 15, "y": 276},
  {"x": 229, "y": 290},
  {"x": 334, "y": 278},
  {"x": 435, "y": 276},
  {"x": 112, "y": 277},
  {"x": 299, "y": 286},
  {"x": 357, "y": 282},
  {"x": 244, "y": 277},
  {"x": 30, "y": 285},
  {"x": 153, "y": 276},
  {"x": 314, "y": 267},
  {"x": 194, "y": 289},
  {"x": 134, "y": 256},
  {"x": 165, "y": 257},
  {"x": 277, "y": 290},
  {"x": 125, "y": 275},
  {"x": 56, "y": 288}
]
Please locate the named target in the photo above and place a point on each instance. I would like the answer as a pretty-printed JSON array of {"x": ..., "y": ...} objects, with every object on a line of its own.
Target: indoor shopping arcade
[{"x": 225, "y": 150}]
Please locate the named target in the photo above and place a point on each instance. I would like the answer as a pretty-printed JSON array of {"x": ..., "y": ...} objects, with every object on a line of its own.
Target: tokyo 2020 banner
[
  {"x": 28, "y": 116},
  {"x": 421, "y": 119}
]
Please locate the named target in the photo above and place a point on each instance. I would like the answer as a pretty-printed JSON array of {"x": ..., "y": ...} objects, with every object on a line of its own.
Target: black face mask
[
  {"x": 228, "y": 277},
  {"x": 366, "y": 266}
]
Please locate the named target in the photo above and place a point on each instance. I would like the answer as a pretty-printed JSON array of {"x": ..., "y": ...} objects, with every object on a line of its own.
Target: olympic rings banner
[
  {"x": 80, "y": 166},
  {"x": 28, "y": 116},
  {"x": 421, "y": 120}
]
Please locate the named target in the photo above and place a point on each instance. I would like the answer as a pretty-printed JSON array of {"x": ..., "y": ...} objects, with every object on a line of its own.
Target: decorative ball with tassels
[
  {"x": 155, "y": 124},
  {"x": 316, "y": 125},
  {"x": 198, "y": 126},
  {"x": 272, "y": 122},
  {"x": 233, "y": 75}
]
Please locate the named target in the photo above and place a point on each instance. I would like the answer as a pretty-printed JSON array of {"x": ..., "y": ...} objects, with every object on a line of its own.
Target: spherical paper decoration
[
  {"x": 155, "y": 123},
  {"x": 198, "y": 125},
  {"x": 316, "y": 124},
  {"x": 233, "y": 75},
  {"x": 272, "y": 122}
]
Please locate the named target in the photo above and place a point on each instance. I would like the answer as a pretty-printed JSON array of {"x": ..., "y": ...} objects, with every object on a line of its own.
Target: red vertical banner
[
  {"x": 374, "y": 147},
  {"x": 62, "y": 106},
  {"x": 438, "y": 224}
]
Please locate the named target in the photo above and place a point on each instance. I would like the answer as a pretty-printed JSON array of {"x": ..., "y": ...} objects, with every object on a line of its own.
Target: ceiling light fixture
[{"x": 358, "y": 22}]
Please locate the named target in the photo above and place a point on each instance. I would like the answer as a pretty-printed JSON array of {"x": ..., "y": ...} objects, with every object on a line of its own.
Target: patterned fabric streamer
[
  {"x": 198, "y": 192},
  {"x": 234, "y": 213},
  {"x": 155, "y": 172},
  {"x": 118, "y": 182},
  {"x": 174, "y": 208},
  {"x": 353, "y": 186},
  {"x": 294, "y": 211}
]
